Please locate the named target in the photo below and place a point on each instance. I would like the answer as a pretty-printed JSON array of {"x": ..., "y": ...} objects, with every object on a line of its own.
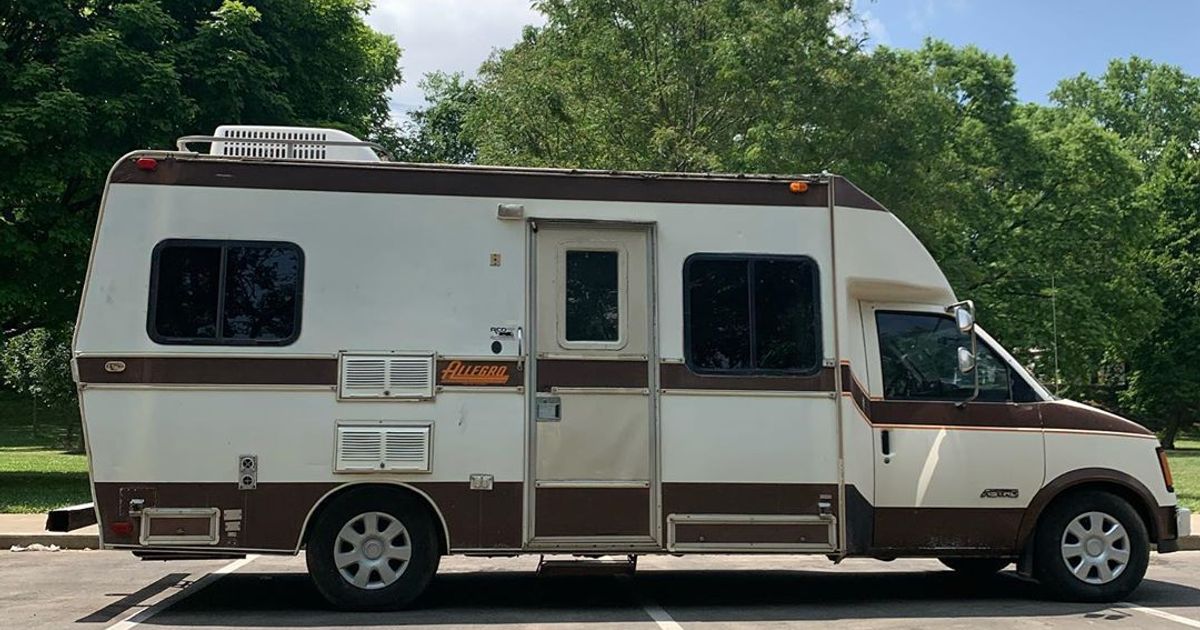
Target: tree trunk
[{"x": 1171, "y": 430}]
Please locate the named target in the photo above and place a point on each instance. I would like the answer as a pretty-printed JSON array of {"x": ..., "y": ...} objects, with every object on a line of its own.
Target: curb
[
  {"x": 1189, "y": 543},
  {"x": 63, "y": 541}
]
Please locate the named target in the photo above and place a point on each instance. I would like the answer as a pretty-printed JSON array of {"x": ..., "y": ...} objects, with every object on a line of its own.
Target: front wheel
[
  {"x": 372, "y": 549},
  {"x": 1091, "y": 547}
]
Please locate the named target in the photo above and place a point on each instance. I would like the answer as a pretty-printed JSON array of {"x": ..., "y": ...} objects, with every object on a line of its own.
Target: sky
[{"x": 1047, "y": 39}]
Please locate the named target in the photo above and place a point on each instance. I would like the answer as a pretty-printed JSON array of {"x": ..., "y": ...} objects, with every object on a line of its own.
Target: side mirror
[
  {"x": 964, "y": 317},
  {"x": 966, "y": 360}
]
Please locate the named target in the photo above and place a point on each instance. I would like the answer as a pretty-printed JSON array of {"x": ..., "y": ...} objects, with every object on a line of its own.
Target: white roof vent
[{"x": 292, "y": 143}]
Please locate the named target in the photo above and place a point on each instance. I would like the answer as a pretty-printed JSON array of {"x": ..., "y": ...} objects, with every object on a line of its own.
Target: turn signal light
[
  {"x": 798, "y": 187},
  {"x": 121, "y": 528},
  {"x": 146, "y": 164},
  {"x": 1166, "y": 469}
]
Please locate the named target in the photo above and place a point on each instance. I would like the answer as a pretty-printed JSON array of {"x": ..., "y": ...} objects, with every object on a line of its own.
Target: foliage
[
  {"x": 436, "y": 133},
  {"x": 37, "y": 364},
  {"x": 1155, "y": 110},
  {"x": 83, "y": 82},
  {"x": 672, "y": 85},
  {"x": 1011, "y": 199},
  {"x": 1164, "y": 386}
]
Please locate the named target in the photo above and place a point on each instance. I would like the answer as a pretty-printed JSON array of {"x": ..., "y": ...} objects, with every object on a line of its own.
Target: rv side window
[
  {"x": 225, "y": 292},
  {"x": 918, "y": 352},
  {"x": 751, "y": 314}
]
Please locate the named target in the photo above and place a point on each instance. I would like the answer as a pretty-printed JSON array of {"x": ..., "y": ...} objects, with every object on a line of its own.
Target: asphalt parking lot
[{"x": 91, "y": 589}]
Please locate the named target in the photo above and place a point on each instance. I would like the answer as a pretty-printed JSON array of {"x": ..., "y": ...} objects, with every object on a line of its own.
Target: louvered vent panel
[
  {"x": 359, "y": 449},
  {"x": 366, "y": 375},
  {"x": 398, "y": 377},
  {"x": 383, "y": 448},
  {"x": 261, "y": 146}
]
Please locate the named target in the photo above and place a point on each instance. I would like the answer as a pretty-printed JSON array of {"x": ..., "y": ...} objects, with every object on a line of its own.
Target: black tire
[
  {"x": 1051, "y": 568},
  {"x": 976, "y": 567},
  {"x": 418, "y": 534}
]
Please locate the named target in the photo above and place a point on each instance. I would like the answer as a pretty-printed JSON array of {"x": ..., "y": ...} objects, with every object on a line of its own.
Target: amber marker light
[
  {"x": 798, "y": 187},
  {"x": 1166, "y": 469}
]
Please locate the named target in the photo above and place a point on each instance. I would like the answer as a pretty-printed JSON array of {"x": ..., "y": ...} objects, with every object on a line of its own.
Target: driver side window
[{"x": 918, "y": 353}]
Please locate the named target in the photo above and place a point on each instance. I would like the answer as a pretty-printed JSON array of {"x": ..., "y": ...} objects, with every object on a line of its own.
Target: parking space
[{"x": 108, "y": 589}]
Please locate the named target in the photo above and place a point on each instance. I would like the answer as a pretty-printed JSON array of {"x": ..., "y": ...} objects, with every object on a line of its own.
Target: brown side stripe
[
  {"x": 678, "y": 376},
  {"x": 395, "y": 178},
  {"x": 1048, "y": 415},
  {"x": 613, "y": 374},
  {"x": 210, "y": 371},
  {"x": 585, "y": 373}
]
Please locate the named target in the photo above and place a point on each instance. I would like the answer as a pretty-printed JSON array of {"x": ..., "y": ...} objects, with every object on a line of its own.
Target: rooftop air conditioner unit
[{"x": 291, "y": 143}]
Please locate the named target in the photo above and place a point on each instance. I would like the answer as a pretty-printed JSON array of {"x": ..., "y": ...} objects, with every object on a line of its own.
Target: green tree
[
  {"x": 37, "y": 363},
  {"x": 1011, "y": 199},
  {"x": 82, "y": 82},
  {"x": 1155, "y": 110},
  {"x": 666, "y": 85},
  {"x": 1164, "y": 385},
  {"x": 437, "y": 133}
]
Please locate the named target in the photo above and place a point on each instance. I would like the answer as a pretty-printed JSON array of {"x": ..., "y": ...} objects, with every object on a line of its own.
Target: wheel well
[
  {"x": 399, "y": 489},
  {"x": 1130, "y": 495}
]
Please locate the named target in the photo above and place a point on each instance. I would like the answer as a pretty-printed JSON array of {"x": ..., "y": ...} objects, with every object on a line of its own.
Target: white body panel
[{"x": 195, "y": 435}]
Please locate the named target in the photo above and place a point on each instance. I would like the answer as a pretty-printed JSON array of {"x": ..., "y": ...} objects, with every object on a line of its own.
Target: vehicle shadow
[{"x": 289, "y": 599}]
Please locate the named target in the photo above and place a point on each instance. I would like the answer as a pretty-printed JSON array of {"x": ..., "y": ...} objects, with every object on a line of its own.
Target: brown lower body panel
[
  {"x": 273, "y": 514},
  {"x": 746, "y": 533},
  {"x": 746, "y": 498},
  {"x": 592, "y": 512},
  {"x": 931, "y": 529}
]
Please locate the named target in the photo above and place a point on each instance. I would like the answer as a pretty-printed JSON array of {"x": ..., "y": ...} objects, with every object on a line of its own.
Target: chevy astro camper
[{"x": 287, "y": 343}]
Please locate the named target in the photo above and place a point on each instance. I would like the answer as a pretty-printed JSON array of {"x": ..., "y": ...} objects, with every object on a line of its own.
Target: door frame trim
[{"x": 654, "y": 540}]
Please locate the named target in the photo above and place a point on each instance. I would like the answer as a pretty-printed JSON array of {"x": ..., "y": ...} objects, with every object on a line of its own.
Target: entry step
[{"x": 587, "y": 565}]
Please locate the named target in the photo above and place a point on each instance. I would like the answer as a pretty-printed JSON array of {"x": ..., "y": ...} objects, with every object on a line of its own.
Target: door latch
[{"x": 549, "y": 408}]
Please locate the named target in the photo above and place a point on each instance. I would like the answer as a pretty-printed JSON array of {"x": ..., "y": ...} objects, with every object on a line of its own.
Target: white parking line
[
  {"x": 134, "y": 619},
  {"x": 660, "y": 616},
  {"x": 1161, "y": 614}
]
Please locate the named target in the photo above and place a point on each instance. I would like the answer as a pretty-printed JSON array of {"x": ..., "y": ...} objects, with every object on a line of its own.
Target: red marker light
[
  {"x": 121, "y": 528},
  {"x": 146, "y": 164}
]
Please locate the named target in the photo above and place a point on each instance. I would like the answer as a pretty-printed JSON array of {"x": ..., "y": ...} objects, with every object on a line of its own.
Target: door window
[
  {"x": 593, "y": 296},
  {"x": 918, "y": 353}
]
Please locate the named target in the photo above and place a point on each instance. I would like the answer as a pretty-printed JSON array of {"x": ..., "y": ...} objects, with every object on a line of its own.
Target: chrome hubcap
[
  {"x": 1095, "y": 548},
  {"x": 372, "y": 550}
]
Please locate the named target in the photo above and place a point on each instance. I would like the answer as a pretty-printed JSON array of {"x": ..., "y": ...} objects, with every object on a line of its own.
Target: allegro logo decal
[{"x": 457, "y": 372}]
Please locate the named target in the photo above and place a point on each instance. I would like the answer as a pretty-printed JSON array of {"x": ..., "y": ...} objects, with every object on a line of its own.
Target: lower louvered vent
[{"x": 383, "y": 447}]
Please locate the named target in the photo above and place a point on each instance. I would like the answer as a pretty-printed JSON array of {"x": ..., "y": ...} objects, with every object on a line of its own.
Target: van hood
[{"x": 1069, "y": 414}]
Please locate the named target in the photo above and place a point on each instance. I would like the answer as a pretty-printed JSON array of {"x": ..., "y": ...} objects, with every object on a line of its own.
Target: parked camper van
[{"x": 288, "y": 343}]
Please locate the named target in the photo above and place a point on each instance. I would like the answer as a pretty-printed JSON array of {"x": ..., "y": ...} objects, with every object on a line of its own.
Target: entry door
[
  {"x": 592, "y": 406},
  {"x": 947, "y": 474}
]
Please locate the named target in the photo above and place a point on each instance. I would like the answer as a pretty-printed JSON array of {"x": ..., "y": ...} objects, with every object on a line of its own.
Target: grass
[
  {"x": 1185, "y": 468},
  {"x": 39, "y": 471}
]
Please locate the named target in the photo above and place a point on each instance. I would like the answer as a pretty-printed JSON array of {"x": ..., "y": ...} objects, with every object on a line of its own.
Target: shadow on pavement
[{"x": 289, "y": 599}]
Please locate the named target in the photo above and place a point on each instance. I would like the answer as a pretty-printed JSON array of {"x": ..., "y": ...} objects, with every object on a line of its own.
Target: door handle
[
  {"x": 520, "y": 348},
  {"x": 885, "y": 445}
]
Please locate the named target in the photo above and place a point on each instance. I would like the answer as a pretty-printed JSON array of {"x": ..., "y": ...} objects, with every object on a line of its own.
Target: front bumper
[{"x": 1183, "y": 529}]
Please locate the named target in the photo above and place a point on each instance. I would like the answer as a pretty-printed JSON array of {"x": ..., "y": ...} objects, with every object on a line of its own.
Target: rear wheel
[
  {"x": 976, "y": 567},
  {"x": 372, "y": 549},
  {"x": 1091, "y": 546}
]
